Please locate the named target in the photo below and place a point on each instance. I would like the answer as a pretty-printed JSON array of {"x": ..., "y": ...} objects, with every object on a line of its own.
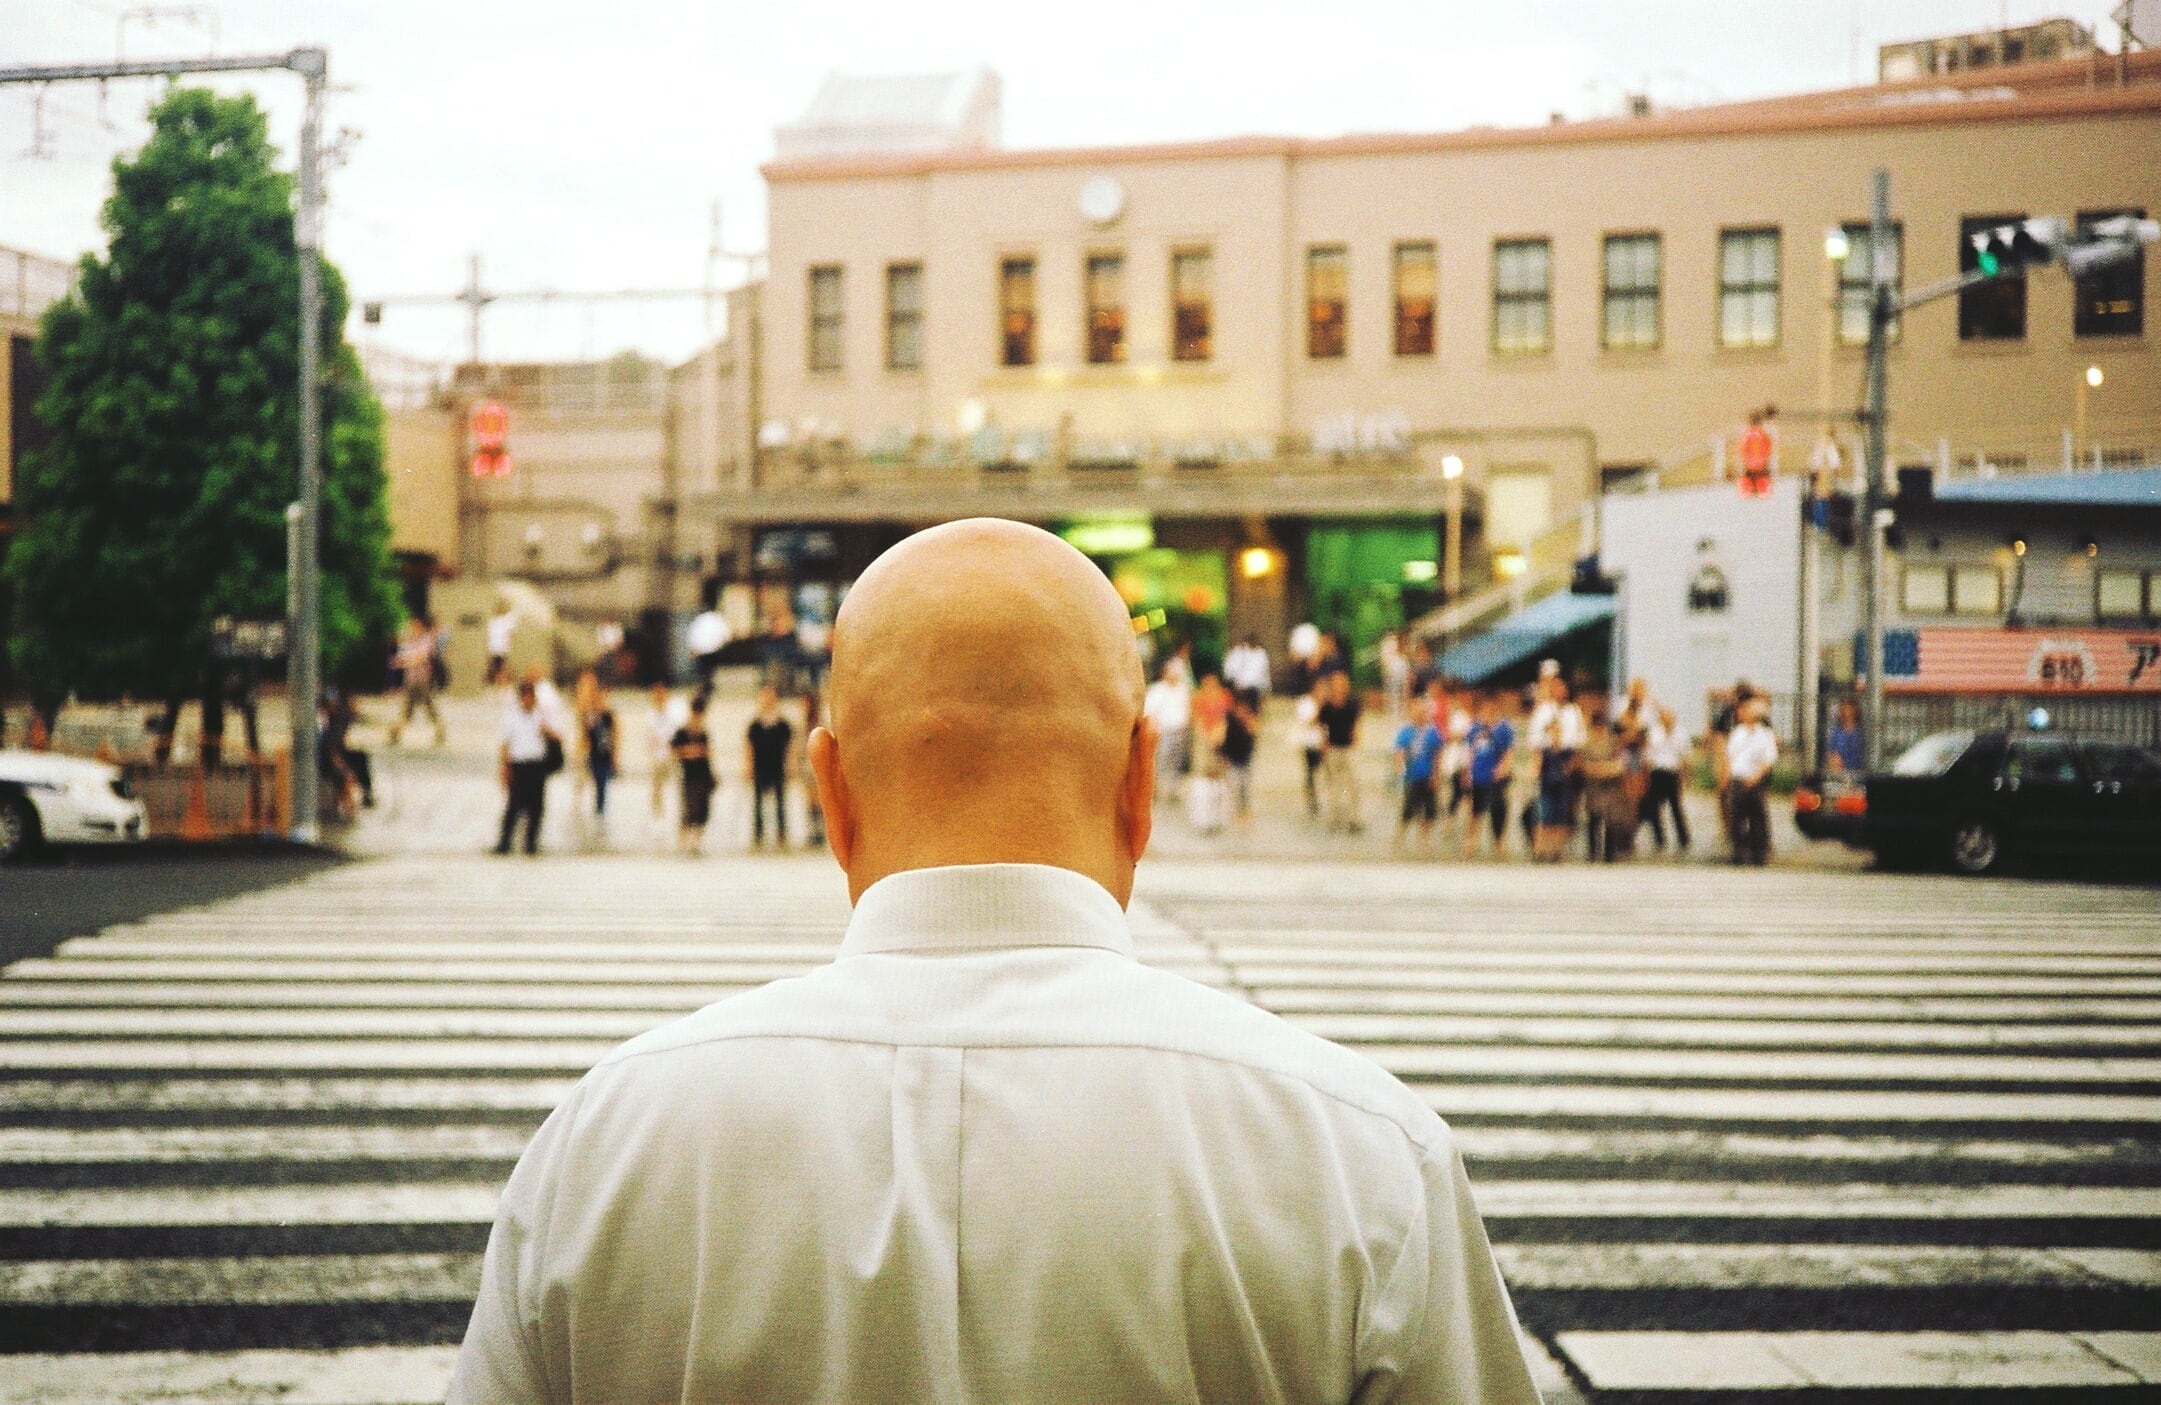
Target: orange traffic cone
[{"x": 195, "y": 824}]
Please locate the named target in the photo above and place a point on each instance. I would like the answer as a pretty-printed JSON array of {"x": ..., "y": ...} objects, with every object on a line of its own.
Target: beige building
[
  {"x": 1276, "y": 345},
  {"x": 601, "y": 454}
]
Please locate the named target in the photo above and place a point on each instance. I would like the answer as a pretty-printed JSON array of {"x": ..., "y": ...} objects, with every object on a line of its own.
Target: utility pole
[
  {"x": 1874, "y": 508},
  {"x": 475, "y": 302},
  {"x": 304, "y": 587},
  {"x": 304, "y": 667},
  {"x": 2001, "y": 252}
]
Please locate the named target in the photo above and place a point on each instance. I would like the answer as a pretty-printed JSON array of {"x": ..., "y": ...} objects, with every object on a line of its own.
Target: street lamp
[
  {"x": 1452, "y": 578},
  {"x": 2090, "y": 381}
]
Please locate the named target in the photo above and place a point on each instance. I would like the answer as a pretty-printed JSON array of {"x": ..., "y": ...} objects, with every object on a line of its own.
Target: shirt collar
[{"x": 985, "y": 907}]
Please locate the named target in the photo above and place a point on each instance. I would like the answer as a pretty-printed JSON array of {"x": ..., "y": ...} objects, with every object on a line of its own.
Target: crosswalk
[{"x": 1734, "y": 1134}]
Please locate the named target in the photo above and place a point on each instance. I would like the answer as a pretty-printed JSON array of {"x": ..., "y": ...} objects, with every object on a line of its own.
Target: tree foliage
[{"x": 174, "y": 407}]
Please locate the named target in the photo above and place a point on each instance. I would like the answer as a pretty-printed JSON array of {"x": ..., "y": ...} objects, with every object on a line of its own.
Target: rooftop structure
[
  {"x": 914, "y": 112},
  {"x": 1989, "y": 48}
]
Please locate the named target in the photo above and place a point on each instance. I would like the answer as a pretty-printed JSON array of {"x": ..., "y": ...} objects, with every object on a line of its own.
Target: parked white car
[{"x": 63, "y": 800}]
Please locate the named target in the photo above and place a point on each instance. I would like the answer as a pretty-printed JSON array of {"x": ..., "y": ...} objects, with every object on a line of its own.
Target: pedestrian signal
[{"x": 491, "y": 440}]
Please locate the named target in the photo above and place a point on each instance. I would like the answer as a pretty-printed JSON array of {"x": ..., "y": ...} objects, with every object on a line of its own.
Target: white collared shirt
[
  {"x": 1246, "y": 666},
  {"x": 1565, "y": 718},
  {"x": 1751, "y": 752},
  {"x": 522, "y": 731},
  {"x": 1665, "y": 748},
  {"x": 987, "y": 1155}
]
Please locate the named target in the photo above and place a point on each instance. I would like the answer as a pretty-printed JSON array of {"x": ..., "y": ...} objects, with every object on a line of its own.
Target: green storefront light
[{"x": 1109, "y": 536}]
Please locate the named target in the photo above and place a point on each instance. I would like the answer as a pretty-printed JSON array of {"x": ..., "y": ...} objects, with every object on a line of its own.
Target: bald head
[{"x": 984, "y": 707}]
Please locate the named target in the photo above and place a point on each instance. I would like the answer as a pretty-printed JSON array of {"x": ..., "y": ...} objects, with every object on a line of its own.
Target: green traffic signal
[{"x": 1989, "y": 263}]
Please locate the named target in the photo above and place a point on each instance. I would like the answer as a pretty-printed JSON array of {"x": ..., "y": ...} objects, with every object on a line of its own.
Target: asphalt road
[{"x": 65, "y": 893}]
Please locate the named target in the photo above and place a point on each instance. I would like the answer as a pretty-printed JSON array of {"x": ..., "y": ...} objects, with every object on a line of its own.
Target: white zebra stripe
[
  {"x": 474, "y": 1202},
  {"x": 1703, "y": 1361},
  {"x": 380, "y": 1375},
  {"x": 1827, "y": 1266}
]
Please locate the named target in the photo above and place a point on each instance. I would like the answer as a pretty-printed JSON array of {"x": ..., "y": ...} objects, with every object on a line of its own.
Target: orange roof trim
[{"x": 2080, "y": 87}]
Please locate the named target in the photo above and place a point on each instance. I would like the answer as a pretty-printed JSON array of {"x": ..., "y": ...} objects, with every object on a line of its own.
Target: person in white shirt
[
  {"x": 1245, "y": 668},
  {"x": 1555, "y": 708},
  {"x": 1665, "y": 753},
  {"x": 707, "y": 635},
  {"x": 502, "y": 627},
  {"x": 1169, "y": 704},
  {"x": 986, "y": 1155},
  {"x": 1751, "y": 752},
  {"x": 661, "y": 724},
  {"x": 527, "y": 730}
]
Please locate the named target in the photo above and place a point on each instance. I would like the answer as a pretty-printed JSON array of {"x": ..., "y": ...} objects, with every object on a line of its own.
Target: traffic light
[
  {"x": 491, "y": 439},
  {"x": 2109, "y": 241},
  {"x": 2014, "y": 248}
]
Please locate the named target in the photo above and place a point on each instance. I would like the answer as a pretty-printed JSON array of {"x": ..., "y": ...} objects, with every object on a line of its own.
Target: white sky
[{"x": 583, "y": 145}]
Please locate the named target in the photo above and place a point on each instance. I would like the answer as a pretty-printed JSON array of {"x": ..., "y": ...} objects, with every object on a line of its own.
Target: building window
[
  {"x": 1327, "y": 288},
  {"x": 1748, "y": 287},
  {"x": 1631, "y": 320},
  {"x": 1106, "y": 289},
  {"x": 1417, "y": 282},
  {"x": 1854, "y": 273},
  {"x": 2126, "y": 595},
  {"x": 1192, "y": 305},
  {"x": 1976, "y": 590},
  {"x": 1522, "y": 295},
  {"x": 1016, "y": 312},
  {"x": 1928, "y": 588},
  {"x": 904, "y": 317},
  {"x": 1995, "y": 310},
  {"x": 2111, "y": 302},
  {"x": 825, "y": 317}
]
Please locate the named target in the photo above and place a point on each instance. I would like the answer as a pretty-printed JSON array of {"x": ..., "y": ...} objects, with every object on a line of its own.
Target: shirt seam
[{"x": 1335, "y": 1097}]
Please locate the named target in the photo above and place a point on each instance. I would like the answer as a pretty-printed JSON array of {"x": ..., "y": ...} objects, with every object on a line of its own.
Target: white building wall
[{"x": 1651, "y": 544}]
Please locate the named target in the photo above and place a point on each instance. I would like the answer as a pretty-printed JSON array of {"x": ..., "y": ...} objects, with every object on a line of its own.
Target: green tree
[{"x": 160, "y": 503}]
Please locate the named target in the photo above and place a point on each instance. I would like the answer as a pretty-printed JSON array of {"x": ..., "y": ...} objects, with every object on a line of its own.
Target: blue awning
[
  {"x": 1523, "y": 634},
  {"x": 2113, "y": 487}
]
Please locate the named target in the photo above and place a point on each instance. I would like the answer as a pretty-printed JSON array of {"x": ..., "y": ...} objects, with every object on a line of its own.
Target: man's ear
[
  {"x": 1136, "y": 802},
  {"x": 833, "y": 797}
]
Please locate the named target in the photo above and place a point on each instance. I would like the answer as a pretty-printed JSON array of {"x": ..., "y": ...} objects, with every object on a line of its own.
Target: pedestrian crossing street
[{"x": 1735, "y": 1134}]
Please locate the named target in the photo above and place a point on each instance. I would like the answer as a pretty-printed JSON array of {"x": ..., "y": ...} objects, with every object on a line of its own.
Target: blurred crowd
[{"x": 1569, "y": 768}]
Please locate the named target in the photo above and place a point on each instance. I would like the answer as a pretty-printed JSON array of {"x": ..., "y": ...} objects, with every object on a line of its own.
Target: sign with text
[{"x": 2069, "y": 660}]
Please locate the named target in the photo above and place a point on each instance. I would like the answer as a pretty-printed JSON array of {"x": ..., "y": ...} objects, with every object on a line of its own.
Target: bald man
[{"x": 986, "y": 1155}]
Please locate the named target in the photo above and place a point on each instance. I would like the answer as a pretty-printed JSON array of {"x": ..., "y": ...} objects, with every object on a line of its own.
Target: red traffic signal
[
  {"x": 491, "y": 424},
  {"x": 491, "y": 439}
]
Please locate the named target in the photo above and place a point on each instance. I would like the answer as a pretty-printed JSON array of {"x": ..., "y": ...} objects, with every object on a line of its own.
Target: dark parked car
[{"x": 1976, "y": 799}]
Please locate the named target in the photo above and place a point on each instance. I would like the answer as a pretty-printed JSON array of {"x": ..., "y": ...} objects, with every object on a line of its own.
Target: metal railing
[
  {"x": 1908, "y": 718},
  {"x": 1549, "y": 565},
  {"x": 30, "y": 283}
]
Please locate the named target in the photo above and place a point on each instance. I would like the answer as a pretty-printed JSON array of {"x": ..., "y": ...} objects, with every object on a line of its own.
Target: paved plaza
[{"x": 1733, "y": 1132}]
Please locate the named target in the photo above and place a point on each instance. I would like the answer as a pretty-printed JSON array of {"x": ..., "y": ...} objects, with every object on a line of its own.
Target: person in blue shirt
[
  {"x": 1492, "y": 740},
  {"x": 1418, "y": 754},
  {"x": 1842, "y": 755}
]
